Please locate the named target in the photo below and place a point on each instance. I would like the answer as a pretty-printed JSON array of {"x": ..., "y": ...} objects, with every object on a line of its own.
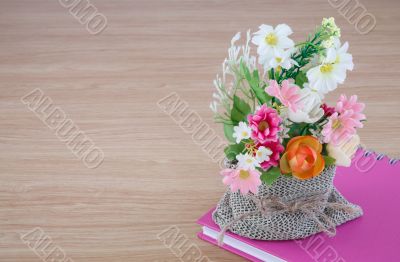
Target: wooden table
[{"x": 153, "y": 175}]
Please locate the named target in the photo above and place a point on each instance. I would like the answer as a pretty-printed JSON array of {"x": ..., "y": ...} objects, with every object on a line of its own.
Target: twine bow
[{"x": 312, "y": 206}]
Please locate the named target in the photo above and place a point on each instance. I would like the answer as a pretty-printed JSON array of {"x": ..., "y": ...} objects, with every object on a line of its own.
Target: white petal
[
  {"x": 330, "y": 55},
  {"x": 263, "y": 49},
  {"x": 339, "y": 75},
  {"x": 235, "y": 38},
  {"x": 336, "y": 42},
  {"x": 286, "y": 64},
  {"x": 283, "y": 30},
  {"x": 298, "y": 116},
  {"x": 347, "y": 61},
  {"x": 257, "y": 39},
  {"x": 285, "y": 42},
  {"x": 266, "y": 28},
  {"x": 344, "y": 48},
  {"x": 312, "y": 74}
]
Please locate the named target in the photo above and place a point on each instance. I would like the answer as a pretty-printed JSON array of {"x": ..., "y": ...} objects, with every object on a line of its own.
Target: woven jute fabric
[{"x": 242, "y": 215}]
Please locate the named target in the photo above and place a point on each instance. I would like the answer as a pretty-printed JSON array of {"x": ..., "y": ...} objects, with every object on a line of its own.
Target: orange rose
[{"x": 303, "y": 157}]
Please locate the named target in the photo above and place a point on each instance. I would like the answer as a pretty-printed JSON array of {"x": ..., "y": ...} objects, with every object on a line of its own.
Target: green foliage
[
  {"x": 240, "y": 110},
  {"x": 329, "y": 160},
  {"x": 254, "y": 82},
  {"x": 301, "y": 78},
  {"x": 303, "y": 56},
  {"x": 228, "y": 131},
  {"x": 269, "y": 176},
  {"x": 298, "y": 129},
  {"x": 232, "y": 150}
]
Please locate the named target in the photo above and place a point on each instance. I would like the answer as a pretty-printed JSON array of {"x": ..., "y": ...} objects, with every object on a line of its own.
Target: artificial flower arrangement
[
  {"x": 279, "y": 129},
  {"x": 276, "y": 120}
]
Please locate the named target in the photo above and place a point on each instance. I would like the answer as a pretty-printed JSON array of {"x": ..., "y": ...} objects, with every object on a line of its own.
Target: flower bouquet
[{"x": 284, "y": 141}]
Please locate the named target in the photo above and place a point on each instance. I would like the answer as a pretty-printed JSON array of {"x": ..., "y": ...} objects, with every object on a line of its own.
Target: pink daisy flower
[
  {"x": 264, "y": 124},
  {"x": 245, "y": 180},
  {"x": 273, "y": 160},
  {"x": 340, "y": 127},
  {"x": 288, "y": 94},
  {"x": 344, "y": 104}
]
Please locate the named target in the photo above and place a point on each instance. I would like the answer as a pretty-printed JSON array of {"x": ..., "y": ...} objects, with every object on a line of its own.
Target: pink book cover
[{"x": 372, "y": 182}]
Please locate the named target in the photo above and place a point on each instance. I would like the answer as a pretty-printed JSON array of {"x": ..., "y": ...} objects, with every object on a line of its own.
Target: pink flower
[
  {"x": 340, "y": 127},
  {"x": 276, "y": 149},
  {"x": 264, "y": 124},
  {"x": 328, "y": 111},
  {"x": 344, "y": 105},
  {"x": 245, "y": 180},
  {"x": 288, "y": 94}
]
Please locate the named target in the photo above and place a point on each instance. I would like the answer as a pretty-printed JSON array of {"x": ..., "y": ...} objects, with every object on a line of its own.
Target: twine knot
[{"x": 312, "y": 206}]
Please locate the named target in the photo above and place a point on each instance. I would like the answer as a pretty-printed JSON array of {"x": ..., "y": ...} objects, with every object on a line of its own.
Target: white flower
[
  {"x": 332, "y": 71},
  {"x": 220, "y": 97},
  {"x": 271, "y": 41},
  {"x": 328, "y": 43},
  {"x": 214, "y": 107},
  {"x": 247, "y": 161},
  {"x": 309, "y": 110},
  {"x": 242, "y": 131},
  {"x": 239, "y": 53},
  {"x": 330, "y": 27},
  {"x": 233, "y": 51},
  {"x": 309, "y": 88},
  {"x": 314, "y": 61},
  {"x": 317, "y": 134},
  {"x": 248, "y": 60},
  {"x": 263, "y": 154},
  {"x": 286, "y": 124},
  {"x": 342, "y": 57},
  {"x": 231, "y": 69},
  {"x": 344, "y": 151},
  {"x": 284, "y": 133},
  {"x": 280, "y": 58}
]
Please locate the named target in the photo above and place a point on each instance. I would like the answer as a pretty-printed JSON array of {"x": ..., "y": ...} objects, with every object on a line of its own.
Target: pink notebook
[{"x": 373, "y": 183}]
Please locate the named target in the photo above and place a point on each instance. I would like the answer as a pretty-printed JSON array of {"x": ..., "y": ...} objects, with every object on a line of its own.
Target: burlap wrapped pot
[{"x": 288, "y": 209}]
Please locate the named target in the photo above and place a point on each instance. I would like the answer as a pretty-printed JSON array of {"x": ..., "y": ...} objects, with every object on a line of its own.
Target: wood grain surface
[{"x": 153, "y": 175}]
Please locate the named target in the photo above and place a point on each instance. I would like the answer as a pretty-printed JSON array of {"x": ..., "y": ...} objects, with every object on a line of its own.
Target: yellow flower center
[
  {"x": 326, "y": 68},
  {"x": 251, "y": 147},
  {"x": 244, "y": 174},
  {"x": 244, "y": 134},
  {"x": 336, "y": 124},
  {"x": 278, "y": 59},
  {"x": 259, "y": 154},
  {"x": 271, "y": 39},
  {"x": 249, "y": 161},
  {"x": 278, "y": 107},
  {"x": 263, "y": 125}
]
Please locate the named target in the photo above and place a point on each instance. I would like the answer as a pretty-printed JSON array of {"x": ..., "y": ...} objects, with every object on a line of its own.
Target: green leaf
[
  {"x": 329, "y": 160},
  {"x": 296, "y": 129},
  {"x": 240, "y": 110},
  {"x": 301, "y": 78},
  {"x": 241, "y": 105},
  {"x": 254, "y": 83},
  {"x": 256, "y": 76},
  {"x": 245, "y": 71},
  {"x": 269, "y": 177},
  {"x": 233, "y": 150},
  {"x": 228, "y": 131},
  {"x": 287, "y": 175},
  {"x": 237, "y": 116},
  {"x": 261, "y": 95}
]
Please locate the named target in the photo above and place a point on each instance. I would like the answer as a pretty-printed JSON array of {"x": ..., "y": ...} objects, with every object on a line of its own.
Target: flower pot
[{"x": 288, "y": 209}]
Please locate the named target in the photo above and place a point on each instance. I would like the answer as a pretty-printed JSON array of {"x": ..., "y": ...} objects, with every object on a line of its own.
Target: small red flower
[{"x": 328, "y": 111}]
